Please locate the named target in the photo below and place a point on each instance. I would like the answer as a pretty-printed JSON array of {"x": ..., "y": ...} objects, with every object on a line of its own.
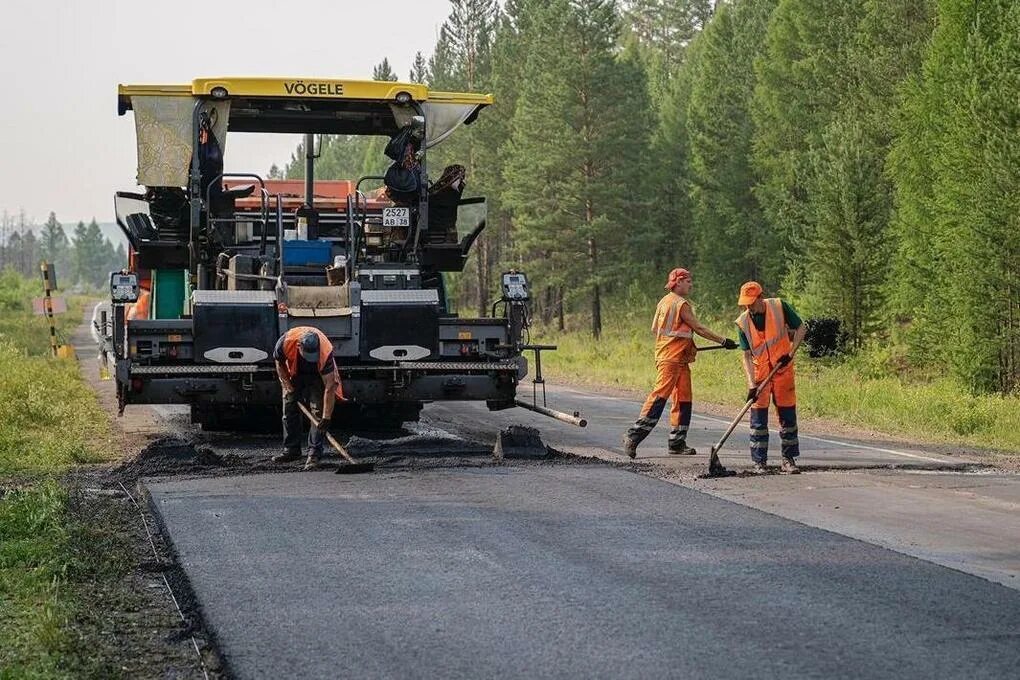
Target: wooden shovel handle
[{"x": 336, "y": 445}]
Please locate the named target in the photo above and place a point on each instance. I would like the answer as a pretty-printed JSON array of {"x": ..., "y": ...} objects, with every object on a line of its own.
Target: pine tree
[
  {"x": 383, "y": 71},
  {"x": 54, "y": 240},
  {"x": 462, "y": 60},
  {"x": 666, "y": 27},
  {"x": 802, "y": 77},
  {"x": 729, "y": 233},
  {"x": 89, "y": 259},
  {"x": 419, "y": 69},
  {"x": 28, "y": 254},
  {"x": 957, "y": 166},
  {"x": 579, "y": 139}
]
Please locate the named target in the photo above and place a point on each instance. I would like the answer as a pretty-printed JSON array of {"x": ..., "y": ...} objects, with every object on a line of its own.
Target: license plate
[{"x": 396, "y": 217}]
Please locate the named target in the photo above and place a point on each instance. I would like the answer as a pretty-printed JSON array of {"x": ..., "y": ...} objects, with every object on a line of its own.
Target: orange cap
[
  {"x": 749, "y": 292},
  {"x": 678, "y": 274}
]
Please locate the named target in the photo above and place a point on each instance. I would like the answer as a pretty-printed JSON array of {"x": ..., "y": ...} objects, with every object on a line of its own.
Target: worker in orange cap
[
  {"x": 674, "y": 326},
  {"x": 770, "y": 333},
  {"x": 140, "y": 309}
]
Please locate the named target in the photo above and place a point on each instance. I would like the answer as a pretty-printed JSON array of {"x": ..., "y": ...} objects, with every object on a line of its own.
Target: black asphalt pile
[
  {"x": 173, "y": 456},
  {"x": 422, "y": 446}
]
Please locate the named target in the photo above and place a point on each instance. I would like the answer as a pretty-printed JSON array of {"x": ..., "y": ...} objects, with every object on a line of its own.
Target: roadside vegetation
[
  {"x": 49, "y": 421},
  {"x": 868, "y": 390}
]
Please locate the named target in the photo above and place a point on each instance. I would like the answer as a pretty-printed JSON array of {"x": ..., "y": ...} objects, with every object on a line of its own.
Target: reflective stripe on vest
[
  {"x": 665, "y": 328},
  {"x": 775, "y": 329}
]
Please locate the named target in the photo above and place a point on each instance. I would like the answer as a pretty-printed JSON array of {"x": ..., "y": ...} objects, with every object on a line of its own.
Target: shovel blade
[{"x": 354, "y": 468}]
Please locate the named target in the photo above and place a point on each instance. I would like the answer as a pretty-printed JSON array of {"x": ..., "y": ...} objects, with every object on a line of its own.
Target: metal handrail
[{"x": 263, "y": 199}]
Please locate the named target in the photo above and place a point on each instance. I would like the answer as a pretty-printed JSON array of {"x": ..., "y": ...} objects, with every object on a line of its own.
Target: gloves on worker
[
  {"x": 324, "y": 424},
  {"x": 784, "y": 360},
  {"x": 752, "y": 394},
  {"x": 729, "y": 344}
]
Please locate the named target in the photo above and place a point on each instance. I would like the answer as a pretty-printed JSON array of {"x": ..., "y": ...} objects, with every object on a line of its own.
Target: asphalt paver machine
[{"x": 221, "y": 264}]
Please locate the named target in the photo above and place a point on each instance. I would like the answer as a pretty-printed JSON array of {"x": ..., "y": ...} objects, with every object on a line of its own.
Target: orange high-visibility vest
[
  {"x": 770, "y": 344},
  {"x": 139, "y": 310},
  {"x": 291, "y": 352},
  {"x": 674, "y": 339}
]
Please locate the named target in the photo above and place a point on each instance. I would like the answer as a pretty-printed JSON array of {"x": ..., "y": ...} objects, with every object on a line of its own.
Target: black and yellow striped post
[{"x": 48, "y": 303}]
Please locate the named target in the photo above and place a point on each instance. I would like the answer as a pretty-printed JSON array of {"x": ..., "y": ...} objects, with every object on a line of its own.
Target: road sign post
[{"x": 49, "y": 282}]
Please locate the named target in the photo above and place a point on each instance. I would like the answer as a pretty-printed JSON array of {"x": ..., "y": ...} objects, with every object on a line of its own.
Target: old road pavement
[{"x": 879, "y": 561}]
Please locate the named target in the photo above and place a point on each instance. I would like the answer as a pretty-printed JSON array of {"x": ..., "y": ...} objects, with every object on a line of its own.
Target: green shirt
[{"x": 758, "y": 319}]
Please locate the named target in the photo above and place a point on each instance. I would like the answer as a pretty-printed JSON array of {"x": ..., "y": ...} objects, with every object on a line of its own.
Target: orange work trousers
[
  {"x": 782, "y": 391},
  {"x": 673, "y": 383}
]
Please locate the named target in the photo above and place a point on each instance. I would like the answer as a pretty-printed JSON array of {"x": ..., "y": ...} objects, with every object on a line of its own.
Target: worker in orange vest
[
  {"x": 307, "y": 371},
  {"x": 770, "y": 333},
  {"x": 674, "y": 326},
  {"x": 140, "y": 309}
]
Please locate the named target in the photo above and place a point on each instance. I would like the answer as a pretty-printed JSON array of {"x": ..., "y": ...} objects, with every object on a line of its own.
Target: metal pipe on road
[{"x": 575, "y": 419}]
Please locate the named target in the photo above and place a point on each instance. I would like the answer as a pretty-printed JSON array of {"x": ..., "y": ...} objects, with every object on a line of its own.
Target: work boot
[
  {"x": 287, "y": 457},
  {"x": 760, "y": 469},
  {"x": 790, "y": 467},
  {"x": 680, "y": 448},
  {"x": 312, "y": 462},
  {"x": 629, "y": 447}
]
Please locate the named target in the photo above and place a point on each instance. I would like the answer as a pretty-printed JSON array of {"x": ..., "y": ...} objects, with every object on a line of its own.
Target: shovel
[
  {"x": 352, "y": 467},
  {"x": 715, "y": 468}
]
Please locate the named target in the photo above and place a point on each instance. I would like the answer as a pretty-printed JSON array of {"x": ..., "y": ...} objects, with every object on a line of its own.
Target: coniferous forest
[{"x": 861, "y": 158}]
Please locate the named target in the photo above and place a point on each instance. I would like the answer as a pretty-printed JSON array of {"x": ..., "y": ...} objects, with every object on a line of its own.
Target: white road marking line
[
  {"x": 864, "y": 447},
  {"x": 846, "y": 444}
]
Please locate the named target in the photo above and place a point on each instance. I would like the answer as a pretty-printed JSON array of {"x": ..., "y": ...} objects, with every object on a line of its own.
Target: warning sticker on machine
[{"x": 396, "y": 217}]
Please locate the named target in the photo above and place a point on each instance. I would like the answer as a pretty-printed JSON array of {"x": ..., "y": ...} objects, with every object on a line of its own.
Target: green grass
[
  {"x": 49, "y": 421},
  {"x": 867, "y": 391}
]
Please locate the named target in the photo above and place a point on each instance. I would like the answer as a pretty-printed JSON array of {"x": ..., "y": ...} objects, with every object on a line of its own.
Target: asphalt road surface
[
  {"x": 560, "y": 571},
  {"x": 568, "y": 569},
  {"x": 945, "y": 508}
]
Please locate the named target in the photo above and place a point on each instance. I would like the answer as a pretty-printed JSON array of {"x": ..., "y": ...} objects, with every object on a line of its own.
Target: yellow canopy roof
[{"x": 298, "y": 88}]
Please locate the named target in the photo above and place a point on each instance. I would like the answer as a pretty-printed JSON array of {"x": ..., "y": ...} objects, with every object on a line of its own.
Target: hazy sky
[{"x": 64, "y": 148}]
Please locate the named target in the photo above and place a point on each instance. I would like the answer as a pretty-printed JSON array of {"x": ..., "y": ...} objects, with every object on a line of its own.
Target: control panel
[
  {"x": 515, "y": 286},
  {"x": 123, "y": 287}
]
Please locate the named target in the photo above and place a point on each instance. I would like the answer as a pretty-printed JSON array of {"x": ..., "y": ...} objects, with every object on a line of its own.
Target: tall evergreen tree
[
  {"x": 89, "y": 257},
  {"x": 419, "y": 69},
  {"x": 54, "y": 240},
  {"x": 462, "y": 60},
  {"x": 666, "y": 27},
  {"x": 729, "y": 234},
  {"x": 579, "y": 138},
  {"x": 957, "y": 166},
  {"x": 383, "y": 71},
  {"x": 802, "y": 79}
]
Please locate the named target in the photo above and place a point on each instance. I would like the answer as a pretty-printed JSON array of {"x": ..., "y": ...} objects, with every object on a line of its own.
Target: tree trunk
[
  {"x": 596, "y": 296},
  {"x": 561, "y": 322}
]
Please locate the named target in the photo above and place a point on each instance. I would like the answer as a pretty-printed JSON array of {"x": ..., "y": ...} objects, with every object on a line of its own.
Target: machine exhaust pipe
[{"x": 310, "y": 170}]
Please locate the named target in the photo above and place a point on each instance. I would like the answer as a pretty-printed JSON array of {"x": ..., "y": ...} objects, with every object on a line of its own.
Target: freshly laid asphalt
[{"x": 560, "y": 570}]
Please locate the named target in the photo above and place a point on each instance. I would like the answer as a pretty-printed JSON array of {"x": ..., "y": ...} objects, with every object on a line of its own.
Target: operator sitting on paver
[
  {"x": 307, "y": 371},
  {"x": 770, "y": 333},
  {"x": 674, "y": 325}
]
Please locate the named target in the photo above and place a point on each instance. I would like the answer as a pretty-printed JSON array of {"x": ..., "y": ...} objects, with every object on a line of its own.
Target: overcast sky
[{"x": 62, "y": 145}]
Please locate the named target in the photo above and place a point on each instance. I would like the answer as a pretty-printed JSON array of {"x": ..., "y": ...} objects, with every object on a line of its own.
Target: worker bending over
[
  {"x": 770, "y": 333},
  {"x": 674, "y": 326},
  {"x": 307, "y": 372}
]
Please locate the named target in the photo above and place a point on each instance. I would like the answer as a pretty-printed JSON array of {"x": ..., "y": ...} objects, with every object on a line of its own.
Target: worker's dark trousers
[
  {"x": 790, "y": 444},
  {"x": 308, "y": 389}
]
